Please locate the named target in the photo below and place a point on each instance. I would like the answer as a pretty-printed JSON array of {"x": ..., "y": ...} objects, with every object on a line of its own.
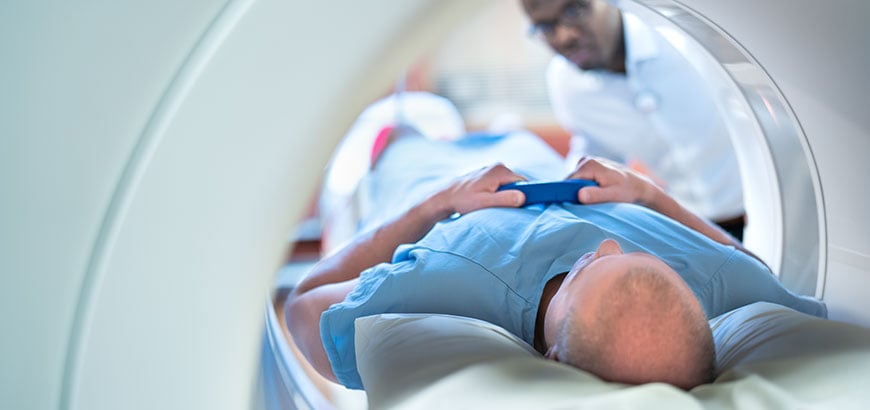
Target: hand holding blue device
[{"x": 538, "y": 192}]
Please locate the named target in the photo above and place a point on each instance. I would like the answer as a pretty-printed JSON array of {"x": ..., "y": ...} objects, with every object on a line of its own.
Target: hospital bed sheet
[{"x": 769, "y": 356}]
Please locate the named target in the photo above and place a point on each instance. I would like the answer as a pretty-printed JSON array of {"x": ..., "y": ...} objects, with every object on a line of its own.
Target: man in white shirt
[{"x": 625, "y": 93}]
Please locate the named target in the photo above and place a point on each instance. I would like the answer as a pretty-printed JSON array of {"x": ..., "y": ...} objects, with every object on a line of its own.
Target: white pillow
[
  {"x": 769, "y": 355},
  {"x": 397, "y": 354},
  {"x": 765, "y": 331},
  {"x": 429, "y": 361}
]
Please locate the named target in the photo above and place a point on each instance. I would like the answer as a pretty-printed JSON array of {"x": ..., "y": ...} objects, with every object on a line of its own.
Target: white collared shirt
[{"x": 658, "y": 113}]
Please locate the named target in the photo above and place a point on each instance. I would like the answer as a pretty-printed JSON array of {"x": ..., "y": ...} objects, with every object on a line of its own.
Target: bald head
[{"x": 645, "y": 326}]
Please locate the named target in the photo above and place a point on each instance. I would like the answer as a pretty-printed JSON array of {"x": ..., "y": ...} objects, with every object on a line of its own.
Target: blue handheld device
[{"x": 538, "y": 192}]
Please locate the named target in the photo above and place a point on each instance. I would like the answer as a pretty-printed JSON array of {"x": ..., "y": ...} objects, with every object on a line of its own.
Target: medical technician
[{"x": 625, "y": 93}]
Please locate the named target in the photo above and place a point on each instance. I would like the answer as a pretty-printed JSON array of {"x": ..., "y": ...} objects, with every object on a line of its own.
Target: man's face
[
  {"x": 589, "y": 278},
  {"x": 586, "y": 32}
]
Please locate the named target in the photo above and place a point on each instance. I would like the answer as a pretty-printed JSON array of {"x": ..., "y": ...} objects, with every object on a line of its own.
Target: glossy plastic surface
[{"x": 547, "y": 192}]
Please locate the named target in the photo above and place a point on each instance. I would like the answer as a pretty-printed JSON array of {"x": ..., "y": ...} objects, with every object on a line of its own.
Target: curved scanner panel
[
  {"x": 776, "y": 164},
  {"x": 805, "y": 89},
  {"x": 155, "y": 157}
]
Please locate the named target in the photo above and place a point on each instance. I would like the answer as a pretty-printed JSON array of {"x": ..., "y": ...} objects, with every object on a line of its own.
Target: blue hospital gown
[{"x": 492, "y": 265}]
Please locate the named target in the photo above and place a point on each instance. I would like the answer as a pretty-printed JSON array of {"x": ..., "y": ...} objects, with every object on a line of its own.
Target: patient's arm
[
  {"x": 617, "y": 183},
  {"x": 334, "y": 277}
]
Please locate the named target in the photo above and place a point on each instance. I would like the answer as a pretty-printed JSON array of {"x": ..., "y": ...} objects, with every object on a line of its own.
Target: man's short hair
[{"x": 645, "y": 329}]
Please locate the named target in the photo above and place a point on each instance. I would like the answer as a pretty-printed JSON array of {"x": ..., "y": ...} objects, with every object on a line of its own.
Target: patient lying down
[
  {"x": 621, "y": 286},
  {"x": 630, "y": 319}
]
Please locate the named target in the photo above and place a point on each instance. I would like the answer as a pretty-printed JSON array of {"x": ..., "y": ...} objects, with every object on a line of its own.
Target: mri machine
[{"x": 154, "y": 156}]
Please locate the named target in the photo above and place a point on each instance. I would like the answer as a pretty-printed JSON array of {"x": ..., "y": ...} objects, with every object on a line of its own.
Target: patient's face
[{"x": 588, "y": 280}]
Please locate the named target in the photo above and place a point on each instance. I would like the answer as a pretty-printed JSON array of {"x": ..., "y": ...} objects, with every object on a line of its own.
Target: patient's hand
[
  {"x": 478, "y": 190},
  {"x": 616, "y": 183}
]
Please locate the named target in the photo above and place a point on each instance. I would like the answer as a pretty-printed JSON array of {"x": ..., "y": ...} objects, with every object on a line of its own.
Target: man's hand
[
  {"x": 478, "y": 190},
  {"x": 616, "y": 183}
]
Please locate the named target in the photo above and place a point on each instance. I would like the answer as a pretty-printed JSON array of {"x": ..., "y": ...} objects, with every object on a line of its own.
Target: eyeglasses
[{"x": 573, "y": 14}]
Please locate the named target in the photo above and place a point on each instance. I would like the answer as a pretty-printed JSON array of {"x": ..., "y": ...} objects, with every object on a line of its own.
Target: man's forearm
[
  {"x": 471, "y": 192},
  {"x": 376, "y": 246},
  {"x": 333, "y": 279},
  {"x": 656, "y": 199},
  {"x": 617, "y": 183}
]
